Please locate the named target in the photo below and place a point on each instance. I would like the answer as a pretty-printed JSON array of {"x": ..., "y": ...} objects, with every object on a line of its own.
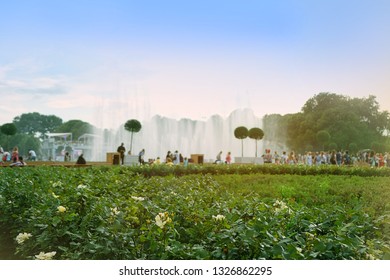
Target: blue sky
[{"x": 108, "y": 61}]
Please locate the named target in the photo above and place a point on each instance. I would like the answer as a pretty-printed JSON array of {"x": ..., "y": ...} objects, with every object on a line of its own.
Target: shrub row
[{"x": 115, "y": 213}]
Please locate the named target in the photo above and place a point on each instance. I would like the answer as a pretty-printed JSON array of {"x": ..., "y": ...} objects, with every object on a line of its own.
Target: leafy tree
[
  {"x": 378, "y": 147},
  {"x": 332, "y": 146},
  {"x": 323, "y": 137},
  {"x": 347, "y": 120},
  {"x": 256, "y": 134},
  {"x": 24, "y": 143},
  {"x": 36, "y": 124},
  {"x": 241, "y": 132},
  {"x": 353, "y": 148},
  {"x": 8, "y": 129},
  {"x": 76, "y": 127},
  {"x": 133, "y": 126}
]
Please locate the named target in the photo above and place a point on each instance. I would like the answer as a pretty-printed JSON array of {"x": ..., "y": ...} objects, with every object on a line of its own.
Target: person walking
[
  {"x": 218, "y": 160},
  {"x": 228, "y": 158},
  {"x": 15, "y": 154},
  {"x": 141, "y": 157},
  {"x": 121, "y": 150}
]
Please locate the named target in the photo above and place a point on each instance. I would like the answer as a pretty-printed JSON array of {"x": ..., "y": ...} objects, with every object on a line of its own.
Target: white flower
[
  {"x": 280, "y": 206},
  {"x": 61, "y": 209},
  {"x": 162, "y": 219},
  {"x": 57, "y": 184},
  {"x": 219, "y": 217},
  {"x": 45, "y": 256},
  {"x": 54, "y": 195},
  {"x": 22, "y": 237},
  {"x": 82, "y": 186},
  {"x": 159, "y": 221},
  {"x": 114, "y": 211},
  {"x": 138, "y": 198}
]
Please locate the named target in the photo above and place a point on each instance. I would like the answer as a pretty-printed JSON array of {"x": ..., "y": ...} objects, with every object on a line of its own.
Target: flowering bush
[
  {"x": 22, "y": 237},
  {"x": 45, "y": 256},
  {"x": 114, "y": 213}
]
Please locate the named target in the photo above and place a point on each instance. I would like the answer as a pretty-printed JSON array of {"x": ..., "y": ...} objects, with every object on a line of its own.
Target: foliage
[
  {"x": 241, "y": 133},
  {"x": 76, "y": 127},
  {"x": 115, "y": 213},
  {"x": 23, "y": 141},
  {"x": 36, "y": 124},
  {"x": 323, "y": 137},
  {"x": 133, "y": 126},
  {"x": 8, "y": 129},
  {"x": 256, "y": 134},
  {"x": 347, "y": 120}
]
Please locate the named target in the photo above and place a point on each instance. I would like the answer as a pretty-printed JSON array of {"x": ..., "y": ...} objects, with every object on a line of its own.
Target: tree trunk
[
  {"x": 256, "y": 149},
  {"x": 242, "y": 148},
  {"x": 131, "y": 142}
]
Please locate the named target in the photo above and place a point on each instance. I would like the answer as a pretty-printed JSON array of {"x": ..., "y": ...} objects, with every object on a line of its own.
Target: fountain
[{"x": 161, "y": 134}]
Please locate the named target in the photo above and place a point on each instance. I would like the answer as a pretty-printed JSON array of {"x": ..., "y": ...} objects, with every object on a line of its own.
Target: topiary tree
[
  {"x": 241, "y": 132},
  {"x": 256, "y": 134},
  {"x": 8, "y": 129},
  {"x": 132, "y": 126}
]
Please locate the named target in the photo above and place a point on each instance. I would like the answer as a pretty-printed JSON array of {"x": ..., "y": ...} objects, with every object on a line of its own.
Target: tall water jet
[{"x": 161, "y": 134}]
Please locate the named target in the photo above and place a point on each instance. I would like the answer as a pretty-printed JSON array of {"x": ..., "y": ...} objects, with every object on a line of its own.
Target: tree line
[
  {"x": 330, "y": 121},
  {"x": 28, "y": 130}
]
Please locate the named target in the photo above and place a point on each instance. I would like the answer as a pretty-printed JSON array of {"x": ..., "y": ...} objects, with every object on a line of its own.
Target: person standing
[
  {"x": 218, "y": 160},
  {"x": 176, "y": 158},
  {"x": 121, "y": 150},
  {"x": 67, "y": 156},
  {"x": 141, "y": 157},
  {"x": 15, "y": 154},
  {"x": 228, "y": 158},
  {"x": 32, "y": 155}
]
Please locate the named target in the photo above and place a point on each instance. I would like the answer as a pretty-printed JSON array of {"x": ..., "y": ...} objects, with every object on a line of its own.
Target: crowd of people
[
  {"x": 339, "y": 158},
  {"x": 332, "y": 158},
  {"x": 13, "y": 158}
]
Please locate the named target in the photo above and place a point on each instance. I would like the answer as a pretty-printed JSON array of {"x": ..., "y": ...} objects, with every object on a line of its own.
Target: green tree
[
  {"x": 8, "y": 129},
  {"x": 76, "y": 127},
  {"x": 241, "y": 133},
  {"x": 133, "y": 126},
  {"x": 256, "y": 134},
  {"x": 323, "y": 138},
  {"x": 347, "y": 120},
  {"x": 332, "y": 146},
  {"x": 353, "y": 148},
  {"x": 36, "y": 124}
]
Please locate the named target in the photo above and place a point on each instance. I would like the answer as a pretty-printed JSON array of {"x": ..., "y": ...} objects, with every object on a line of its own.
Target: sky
[{"x": 105, "y": 62}]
